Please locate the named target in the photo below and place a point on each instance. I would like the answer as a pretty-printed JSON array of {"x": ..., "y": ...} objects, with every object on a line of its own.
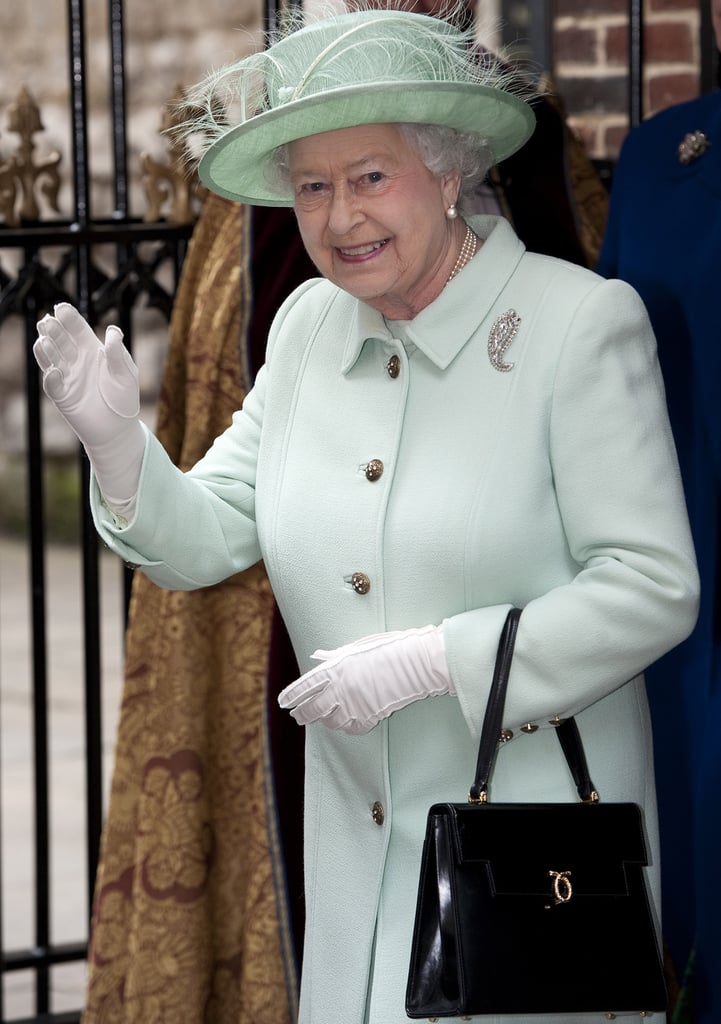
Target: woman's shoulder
[
  {"x": 658, "y": 137},
  {"x": 566, "y": 293},
  {"x": 306, "y": 308},
  {"x": 311, "y": 296},
  {"x": 706, "y": 107},
  {"x": 555, "y": 273}
]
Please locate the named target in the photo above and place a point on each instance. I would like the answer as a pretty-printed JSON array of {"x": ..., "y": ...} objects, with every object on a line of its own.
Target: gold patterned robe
[{"x": 186, "y": 927}]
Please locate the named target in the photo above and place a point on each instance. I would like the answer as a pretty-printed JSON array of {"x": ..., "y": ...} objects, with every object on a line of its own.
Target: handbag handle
[{"x": 567, "y": 730}]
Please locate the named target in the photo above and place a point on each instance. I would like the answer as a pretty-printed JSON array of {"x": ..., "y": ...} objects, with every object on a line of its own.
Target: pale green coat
[{"x": 552, "y": 485}]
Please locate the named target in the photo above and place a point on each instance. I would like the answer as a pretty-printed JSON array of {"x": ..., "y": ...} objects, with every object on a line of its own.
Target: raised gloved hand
[
  {"x": 95, "y": 388},
  {"x": 359, "y": 684}
]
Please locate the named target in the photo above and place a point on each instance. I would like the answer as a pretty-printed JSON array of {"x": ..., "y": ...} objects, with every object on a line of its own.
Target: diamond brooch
[
  {"x": 503, "y": 332},
  {"x": 693, "y": 146}
]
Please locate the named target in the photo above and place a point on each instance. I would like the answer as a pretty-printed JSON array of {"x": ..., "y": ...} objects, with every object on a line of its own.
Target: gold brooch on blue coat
[
  {"x": 693, "y": 146},
  {"x": 503, "y": 332}
]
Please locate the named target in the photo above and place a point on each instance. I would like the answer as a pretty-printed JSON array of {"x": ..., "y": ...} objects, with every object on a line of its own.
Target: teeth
[{"x": 362, "y": 250}]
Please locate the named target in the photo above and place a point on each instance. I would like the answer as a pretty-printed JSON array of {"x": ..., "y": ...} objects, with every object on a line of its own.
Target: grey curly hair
[{"x": 440, "y": 148}]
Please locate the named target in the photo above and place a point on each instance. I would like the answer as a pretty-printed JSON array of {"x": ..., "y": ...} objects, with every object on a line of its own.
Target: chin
[{"x": 371, "y": 296}]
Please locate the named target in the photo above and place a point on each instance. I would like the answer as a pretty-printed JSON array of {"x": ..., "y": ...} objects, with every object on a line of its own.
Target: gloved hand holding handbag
[
  {"x": 95, "y": 388},
  {"x": 359, "y": 684}
]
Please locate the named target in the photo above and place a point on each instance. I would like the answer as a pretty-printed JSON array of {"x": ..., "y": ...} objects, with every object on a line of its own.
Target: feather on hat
[{"x": 365, "y": 67}]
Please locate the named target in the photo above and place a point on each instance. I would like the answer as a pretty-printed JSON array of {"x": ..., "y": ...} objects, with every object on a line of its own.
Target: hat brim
[{"x": 237, "y": 165}]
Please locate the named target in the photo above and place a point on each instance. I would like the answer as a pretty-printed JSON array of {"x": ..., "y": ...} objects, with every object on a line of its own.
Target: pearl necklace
[{"x": 468, "y": 251}]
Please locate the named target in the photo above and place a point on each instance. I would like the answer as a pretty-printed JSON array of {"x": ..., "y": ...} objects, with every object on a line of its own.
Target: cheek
[
  {"x": 421, "y": 235},
  {"x": 310, "y": 228}
]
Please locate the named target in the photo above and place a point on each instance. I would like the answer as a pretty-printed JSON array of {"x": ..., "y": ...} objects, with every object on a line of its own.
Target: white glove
[
  {"x": 95, "y": 388},
  {"x": 358, "y": 685}
]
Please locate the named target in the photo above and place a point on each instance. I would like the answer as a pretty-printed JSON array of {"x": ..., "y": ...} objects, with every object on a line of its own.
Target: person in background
[
  {"x": 664, "y": 238},
  {"x": 445, "y": 425}
]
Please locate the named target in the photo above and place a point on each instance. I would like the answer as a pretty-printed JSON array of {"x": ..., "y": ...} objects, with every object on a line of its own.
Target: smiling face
[{"x": 373, "y": 218}]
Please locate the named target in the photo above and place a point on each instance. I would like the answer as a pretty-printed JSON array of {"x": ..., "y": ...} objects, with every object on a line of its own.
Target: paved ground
[{"x": 66, "y": 727}]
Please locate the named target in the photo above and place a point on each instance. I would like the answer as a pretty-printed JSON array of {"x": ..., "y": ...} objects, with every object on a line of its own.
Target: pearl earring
[{"x": 452, "y": 212}]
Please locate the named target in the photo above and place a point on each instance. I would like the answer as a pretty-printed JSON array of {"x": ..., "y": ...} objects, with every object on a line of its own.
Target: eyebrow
[{"x": 355, "y": 166}]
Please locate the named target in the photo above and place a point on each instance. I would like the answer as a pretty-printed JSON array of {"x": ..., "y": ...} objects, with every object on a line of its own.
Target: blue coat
[
  {"x": 552, "y": 485},
  {"x": 664, "y": 237}
]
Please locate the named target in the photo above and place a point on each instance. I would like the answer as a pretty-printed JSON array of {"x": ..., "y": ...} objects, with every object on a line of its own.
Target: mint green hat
[{"x": 366, "y": 67}]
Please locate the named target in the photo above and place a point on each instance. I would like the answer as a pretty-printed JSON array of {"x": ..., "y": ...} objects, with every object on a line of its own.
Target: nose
[{"x": 344, "y": 212}]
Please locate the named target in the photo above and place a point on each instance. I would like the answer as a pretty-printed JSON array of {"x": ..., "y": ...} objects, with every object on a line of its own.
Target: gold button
[
  {"x": 529, "y": 727},
  {"x": 506, "y": 735},
  {"x": 393, "y": 366},
  {"x": 378, "y": 813},
  {"x": 556, "y": 721},
  {"x": 360, "y": 583},
  {"x": 374, "y": 470}
]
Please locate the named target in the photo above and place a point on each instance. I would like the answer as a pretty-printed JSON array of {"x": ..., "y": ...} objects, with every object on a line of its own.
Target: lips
[{"x": 359, "y": 251}]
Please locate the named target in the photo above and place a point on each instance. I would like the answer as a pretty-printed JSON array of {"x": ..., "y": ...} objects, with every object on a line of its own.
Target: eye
[
  {"x": 374, "y": 177},
  {"x": 310, "y": 194}
]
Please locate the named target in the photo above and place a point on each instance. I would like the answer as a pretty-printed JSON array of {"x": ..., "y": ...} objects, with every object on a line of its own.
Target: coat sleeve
[
  {"x": 619, "y": 495},
  {"x": 193, "y": 529}
]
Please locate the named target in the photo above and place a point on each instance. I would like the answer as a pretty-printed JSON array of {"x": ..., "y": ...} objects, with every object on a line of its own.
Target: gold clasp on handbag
[{"x": 562, "y": 888}]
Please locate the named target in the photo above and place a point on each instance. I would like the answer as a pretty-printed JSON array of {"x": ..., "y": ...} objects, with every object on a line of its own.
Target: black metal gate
[{"x": 57, "y": 262}]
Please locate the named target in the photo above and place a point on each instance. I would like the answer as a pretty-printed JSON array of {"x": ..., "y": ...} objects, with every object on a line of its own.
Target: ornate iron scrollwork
[
  {"x": 22, "y": 175},
  {"x": 170, "y": 184}
]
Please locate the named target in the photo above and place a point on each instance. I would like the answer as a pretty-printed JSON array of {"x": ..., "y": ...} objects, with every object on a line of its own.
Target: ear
[{"x": 450, "y": 187}]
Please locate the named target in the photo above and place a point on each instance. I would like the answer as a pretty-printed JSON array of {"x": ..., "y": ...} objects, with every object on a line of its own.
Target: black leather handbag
[{"x": 532, "y": 908}]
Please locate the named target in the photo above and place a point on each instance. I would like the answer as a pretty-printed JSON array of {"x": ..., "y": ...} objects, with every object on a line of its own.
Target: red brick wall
[{"x": 591, "y": 61}]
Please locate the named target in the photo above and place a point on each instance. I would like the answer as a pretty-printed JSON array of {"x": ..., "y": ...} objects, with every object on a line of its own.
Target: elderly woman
[{"x": 446, "y": 425}]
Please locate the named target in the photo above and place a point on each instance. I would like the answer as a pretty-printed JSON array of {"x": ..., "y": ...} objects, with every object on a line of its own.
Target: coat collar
[{"x": 442, "y": 329}]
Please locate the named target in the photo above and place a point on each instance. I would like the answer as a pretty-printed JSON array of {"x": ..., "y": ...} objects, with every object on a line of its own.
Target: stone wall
[{"x": 167, "y": 44}]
